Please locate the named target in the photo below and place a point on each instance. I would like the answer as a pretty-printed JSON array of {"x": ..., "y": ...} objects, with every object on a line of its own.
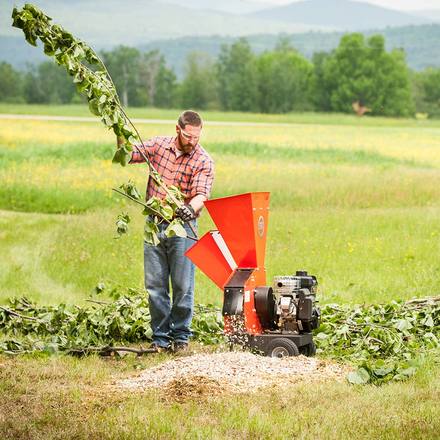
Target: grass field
[{"x": 354, "y": 201}]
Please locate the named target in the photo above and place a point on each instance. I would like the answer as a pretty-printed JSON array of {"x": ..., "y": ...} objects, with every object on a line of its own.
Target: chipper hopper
[{"x": 276, "y": 320}]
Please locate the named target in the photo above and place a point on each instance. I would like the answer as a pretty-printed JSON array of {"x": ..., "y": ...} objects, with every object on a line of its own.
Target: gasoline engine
[
  {"x": 287, "y": 310},
  {"x": 277, "y": 320}
]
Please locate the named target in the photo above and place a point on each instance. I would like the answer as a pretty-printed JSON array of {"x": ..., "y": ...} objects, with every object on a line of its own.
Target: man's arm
[
  {"x": 197, "y": 202},
  {"x": 202, "y": 183}
]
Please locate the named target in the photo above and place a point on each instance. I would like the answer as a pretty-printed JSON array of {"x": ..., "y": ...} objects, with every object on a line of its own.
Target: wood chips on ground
[{"x": 215, "y": 374}]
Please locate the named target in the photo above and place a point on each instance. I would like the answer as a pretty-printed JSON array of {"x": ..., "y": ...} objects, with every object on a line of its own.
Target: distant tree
[
  {"x": 426, "y": 90},
  {"x": 48, "y": 83},
  {"x": 156, "y": 82},
  {"x": 149, "y": 68},
  {"x": 284, "y": 80},
  {"x": 11, "y": 84},
  {"x": 199, "y": 87},
  {"x": 237, "y": 77},
  {"x": 141, "y": 79},
  {"x": 123, "y": 65},
  {"x": 321, "y": 93},
  {"x": 166, "y": 88},
  {"x": 363, "y": 71}
]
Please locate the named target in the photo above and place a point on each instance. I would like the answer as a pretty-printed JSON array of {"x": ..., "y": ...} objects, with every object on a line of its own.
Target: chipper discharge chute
[{"x": 277, "y": 320}]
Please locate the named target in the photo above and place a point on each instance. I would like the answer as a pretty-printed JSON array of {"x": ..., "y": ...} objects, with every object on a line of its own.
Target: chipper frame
[{"x": 277, "y": 321}]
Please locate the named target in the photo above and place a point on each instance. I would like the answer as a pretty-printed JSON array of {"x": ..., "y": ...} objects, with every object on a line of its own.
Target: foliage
[
  {"x": 97, "y": 85},
  {"x": 47, "y": 82},
  {"x": 426, "y": 91},
  {"x": 363, "y": 71},
  {"x": 237, "y": 77},
  {"x": 284, "y": 80},
  {"x": 75, "y": 329},
  {"x": 10, "y": 84},
  {"x": 78, "y": 59},
  {"x": 142, "y": 79},
  {"x": 278, "y": 80},
  {"x": 198, "y": 87},
  {"x": 383, "y": 340}
]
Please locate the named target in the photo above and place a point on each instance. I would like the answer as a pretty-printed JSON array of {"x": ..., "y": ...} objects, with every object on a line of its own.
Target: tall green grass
[
  {"x": 362, "y": 219},
  {"x": 304, "y": 178},
  {"x": 358, "y": 255}
]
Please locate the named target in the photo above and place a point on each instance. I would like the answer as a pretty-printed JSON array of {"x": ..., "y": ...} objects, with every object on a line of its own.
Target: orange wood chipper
[{"x": 277, "y": 320}]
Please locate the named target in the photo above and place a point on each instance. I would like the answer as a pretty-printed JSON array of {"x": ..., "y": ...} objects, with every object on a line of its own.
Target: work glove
[{"x": 186, "y": 213}]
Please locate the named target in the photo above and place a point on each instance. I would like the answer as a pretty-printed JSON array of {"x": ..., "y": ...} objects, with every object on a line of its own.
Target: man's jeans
[{"x": 170, "y": 319}]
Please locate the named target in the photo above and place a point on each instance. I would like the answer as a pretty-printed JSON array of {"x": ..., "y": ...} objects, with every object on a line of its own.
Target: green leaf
[
  {"x": 359, "y": 377},
  {"x": 383, "y": 371},
  {"x": 407, "y": 372},
  {"x": 131, "y": 190},
  {"x": 175, "y": 228},
  {"x": 122, "y": 222},
  {"x": 121, "y": 156},
  {"x": 151, "y": 233},
  {"x": 428, "y": 321},
  {"x": 403, "y": 325},
  {"x": 93, "y": 106}
]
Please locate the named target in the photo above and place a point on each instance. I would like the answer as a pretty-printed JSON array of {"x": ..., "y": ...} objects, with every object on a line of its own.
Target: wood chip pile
[{"x": 230, "y": 372}]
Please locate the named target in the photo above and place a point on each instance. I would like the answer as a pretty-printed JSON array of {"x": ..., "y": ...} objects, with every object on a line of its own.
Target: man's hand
[{"x": 186, "y": 213}]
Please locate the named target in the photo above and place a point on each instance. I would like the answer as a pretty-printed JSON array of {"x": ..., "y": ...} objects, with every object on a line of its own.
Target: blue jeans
[{"x": 170, "y": 318}]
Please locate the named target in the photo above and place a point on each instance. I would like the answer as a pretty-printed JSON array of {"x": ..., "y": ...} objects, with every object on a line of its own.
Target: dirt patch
[
  {"x": 181, "y": 389},
  {"x": 214, "y": 374}
]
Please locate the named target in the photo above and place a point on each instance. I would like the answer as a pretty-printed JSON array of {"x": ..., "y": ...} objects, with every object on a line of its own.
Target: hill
[
  {"x": 231, "y": 6},
  {"x": 419, "y": 42},
  {"x": 431, "y": 14},
  {"x": 133, "y": 22},
  {"x": 340, "y": 14}
]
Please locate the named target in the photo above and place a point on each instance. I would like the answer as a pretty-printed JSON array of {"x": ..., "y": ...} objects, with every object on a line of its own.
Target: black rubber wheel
[
  {"x": 308, "y": 350},
  {"x": 282, "y": 347}
]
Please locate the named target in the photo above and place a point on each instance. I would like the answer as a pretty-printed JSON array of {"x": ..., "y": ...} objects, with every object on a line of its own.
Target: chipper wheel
[{"x": 282, "y": 347}]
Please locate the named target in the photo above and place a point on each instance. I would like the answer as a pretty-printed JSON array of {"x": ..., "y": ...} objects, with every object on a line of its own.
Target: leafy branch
[
  {"x": 93, "y": 80},
  {"x": 383, "y": 340}
]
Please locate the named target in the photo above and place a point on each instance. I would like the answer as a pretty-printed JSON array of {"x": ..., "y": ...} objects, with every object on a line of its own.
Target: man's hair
[{"x": 189, "y": 117}]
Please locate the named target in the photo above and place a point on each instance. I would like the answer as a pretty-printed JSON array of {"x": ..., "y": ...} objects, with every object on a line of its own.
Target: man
[{"x": 181, "y": 161}]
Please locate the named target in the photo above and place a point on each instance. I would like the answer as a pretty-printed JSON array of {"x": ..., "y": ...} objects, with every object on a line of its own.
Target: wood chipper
[{"x": 276, "y": 320}]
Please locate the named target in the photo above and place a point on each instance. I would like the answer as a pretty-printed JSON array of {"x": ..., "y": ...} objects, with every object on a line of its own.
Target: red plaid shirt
[{"x": 192, "y": 172}]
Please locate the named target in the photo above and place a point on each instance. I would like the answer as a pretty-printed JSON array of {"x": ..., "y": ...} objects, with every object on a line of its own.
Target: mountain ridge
[
  {"x": 341, "y": 14},
  {"x": 107, "y": 22},
  {"x": 420, "y": 44}
]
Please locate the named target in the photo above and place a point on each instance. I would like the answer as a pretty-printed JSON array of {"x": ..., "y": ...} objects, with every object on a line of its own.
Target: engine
[{"x": 290, "y": 306}]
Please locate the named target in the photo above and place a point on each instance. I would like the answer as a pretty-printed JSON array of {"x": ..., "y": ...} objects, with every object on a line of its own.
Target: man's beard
[{"x": 186, "y": 148}]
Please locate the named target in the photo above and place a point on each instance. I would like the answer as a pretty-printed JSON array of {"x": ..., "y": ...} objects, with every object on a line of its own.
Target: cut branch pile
[{"x": 385, "y": 341}]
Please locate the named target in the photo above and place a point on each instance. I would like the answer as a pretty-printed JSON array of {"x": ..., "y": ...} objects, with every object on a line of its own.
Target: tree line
[{"x": 359, "y": 74}]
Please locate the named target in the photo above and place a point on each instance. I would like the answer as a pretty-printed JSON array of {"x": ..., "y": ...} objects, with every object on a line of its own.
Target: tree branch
[{"x": 18, "y": 315}]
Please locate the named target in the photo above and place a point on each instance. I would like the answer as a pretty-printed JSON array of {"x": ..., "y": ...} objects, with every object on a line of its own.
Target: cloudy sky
[{"x": 394, "y": 4}]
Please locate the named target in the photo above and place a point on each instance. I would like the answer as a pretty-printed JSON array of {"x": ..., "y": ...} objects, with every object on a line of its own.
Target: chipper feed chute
[{"x": 233, "y": 258}]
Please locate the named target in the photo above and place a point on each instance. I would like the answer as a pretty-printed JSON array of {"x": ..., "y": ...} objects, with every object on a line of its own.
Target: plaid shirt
[{"x": 192, "y": 172}]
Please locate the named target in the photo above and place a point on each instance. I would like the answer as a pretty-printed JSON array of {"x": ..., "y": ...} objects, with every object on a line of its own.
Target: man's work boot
[
  {"x": 181, "y": 348},
  {"x": 160, "y": 349}
]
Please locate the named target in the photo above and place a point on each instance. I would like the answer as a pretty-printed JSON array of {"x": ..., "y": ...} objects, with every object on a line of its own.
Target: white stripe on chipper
[{"x": 224, "y": 249}]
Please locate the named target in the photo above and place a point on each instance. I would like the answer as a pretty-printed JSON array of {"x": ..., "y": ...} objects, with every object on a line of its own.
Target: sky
[{"x": 402, "y": 5}]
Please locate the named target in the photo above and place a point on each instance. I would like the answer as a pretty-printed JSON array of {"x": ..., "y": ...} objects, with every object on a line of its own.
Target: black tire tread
[{"x": 289, "y": 345}]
